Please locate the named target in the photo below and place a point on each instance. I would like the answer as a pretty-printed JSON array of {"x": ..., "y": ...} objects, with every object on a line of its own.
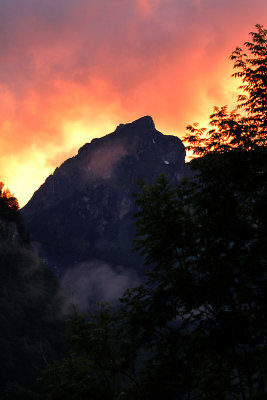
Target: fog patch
[
  {"x": 97, "y": 281},
  {"x": 103, "y": 160}
]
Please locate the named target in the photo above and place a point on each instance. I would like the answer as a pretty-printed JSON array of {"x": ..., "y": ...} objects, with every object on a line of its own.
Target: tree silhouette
[
  {"x": 246, "y": 126},
  {"x": 7, "y": 200}
]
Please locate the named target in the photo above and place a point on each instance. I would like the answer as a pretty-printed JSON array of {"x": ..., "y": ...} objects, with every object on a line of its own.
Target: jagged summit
[
  {"x": 145, "y": 123},
  {"x": 128, "y": 134}
]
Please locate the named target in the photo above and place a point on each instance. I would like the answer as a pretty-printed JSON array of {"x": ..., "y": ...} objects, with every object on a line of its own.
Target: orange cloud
[
  {"x": 72, "y": 70},
  {"x": 146, "y": 7}
]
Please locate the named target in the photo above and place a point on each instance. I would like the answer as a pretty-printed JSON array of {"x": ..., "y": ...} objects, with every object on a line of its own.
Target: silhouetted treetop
[
  {"x": 9, "y": 213},
  {"x": 246, "y": 126},
  {"x": 7, "y": 199}
]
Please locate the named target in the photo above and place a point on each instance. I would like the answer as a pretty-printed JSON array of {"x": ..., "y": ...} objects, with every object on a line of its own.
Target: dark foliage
[
  {"x": 205, "y": 299},
  {"x": 101, "y": 364}
]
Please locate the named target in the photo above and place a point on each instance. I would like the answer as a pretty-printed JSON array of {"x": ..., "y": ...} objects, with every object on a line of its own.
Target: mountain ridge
[{"x": 123, "y": 141}]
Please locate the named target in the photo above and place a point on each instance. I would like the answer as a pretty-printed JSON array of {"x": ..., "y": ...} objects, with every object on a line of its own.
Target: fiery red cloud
[{"x": 72, "y": 70}]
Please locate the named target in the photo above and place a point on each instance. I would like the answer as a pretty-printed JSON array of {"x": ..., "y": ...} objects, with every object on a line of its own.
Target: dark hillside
[{"x": 33, "y": 308}]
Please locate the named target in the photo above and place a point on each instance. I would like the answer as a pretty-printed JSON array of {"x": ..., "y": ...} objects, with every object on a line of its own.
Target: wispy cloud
[{"x": 97, "y": 281}]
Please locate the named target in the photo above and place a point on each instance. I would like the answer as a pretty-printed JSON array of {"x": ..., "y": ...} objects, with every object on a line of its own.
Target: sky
[{"x": 72, "y": 70}]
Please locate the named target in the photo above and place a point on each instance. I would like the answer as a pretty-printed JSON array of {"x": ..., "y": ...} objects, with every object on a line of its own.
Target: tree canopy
[
  {"x": 246, "y": 126},
  {"x": 7, "y": 198}
]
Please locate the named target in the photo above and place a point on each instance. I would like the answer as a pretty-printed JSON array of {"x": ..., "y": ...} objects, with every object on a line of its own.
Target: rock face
[{"x": 83, "y": 214}]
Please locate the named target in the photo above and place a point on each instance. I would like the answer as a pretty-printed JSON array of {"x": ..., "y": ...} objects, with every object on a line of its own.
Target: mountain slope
[
  {"x": 33, "y": 308},
  {"x": 82, "y": 216}
]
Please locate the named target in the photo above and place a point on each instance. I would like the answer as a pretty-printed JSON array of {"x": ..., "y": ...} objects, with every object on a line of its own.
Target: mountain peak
[
  {"x": 141, "y": 124},
  {"x": 145, "y": 121}
]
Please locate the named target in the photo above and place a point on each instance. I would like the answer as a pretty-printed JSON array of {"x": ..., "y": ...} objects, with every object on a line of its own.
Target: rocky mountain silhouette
[{"x": 82, "y": 217}]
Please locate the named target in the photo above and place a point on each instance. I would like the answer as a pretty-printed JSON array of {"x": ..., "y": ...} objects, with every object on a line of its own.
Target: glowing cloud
[{"x": 72, "y": 70}]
